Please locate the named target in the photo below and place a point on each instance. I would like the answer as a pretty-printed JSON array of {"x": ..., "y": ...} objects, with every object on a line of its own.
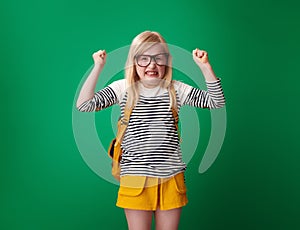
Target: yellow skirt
[{"x": 150, "y": 193}]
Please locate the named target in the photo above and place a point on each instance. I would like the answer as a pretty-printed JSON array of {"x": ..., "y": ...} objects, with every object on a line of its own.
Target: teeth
[{"x": 151, "y": 72}]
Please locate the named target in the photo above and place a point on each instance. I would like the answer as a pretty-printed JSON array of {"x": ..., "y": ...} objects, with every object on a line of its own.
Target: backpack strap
[
  {"x": 123, "y": 122},
  {"x": 175, "y": 109}
]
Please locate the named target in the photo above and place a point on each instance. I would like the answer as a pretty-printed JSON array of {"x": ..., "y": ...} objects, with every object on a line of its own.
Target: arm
[
  {"x": 88, "y": 101},
  {"x": 88, "y": 89},
  {"x": 201, "y": 59},
  {"x": 212, "y": 98}
]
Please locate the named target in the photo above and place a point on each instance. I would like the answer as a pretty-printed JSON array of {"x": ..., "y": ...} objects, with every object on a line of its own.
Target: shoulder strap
[
  {"x": 174, "y": 107},
  {"x": 123, "y": 122}
]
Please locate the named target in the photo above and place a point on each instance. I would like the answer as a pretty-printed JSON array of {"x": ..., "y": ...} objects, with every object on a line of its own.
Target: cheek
[
  {"x": 140, "y": 71},
  {"x": 162, "y": 71}
]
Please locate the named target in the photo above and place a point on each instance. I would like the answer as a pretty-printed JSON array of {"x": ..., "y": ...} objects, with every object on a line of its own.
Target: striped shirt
[{"x": 151, "y": 144}]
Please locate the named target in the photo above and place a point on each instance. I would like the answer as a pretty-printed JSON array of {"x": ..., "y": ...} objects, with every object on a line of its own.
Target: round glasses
[{"x": 145, "y": 60}]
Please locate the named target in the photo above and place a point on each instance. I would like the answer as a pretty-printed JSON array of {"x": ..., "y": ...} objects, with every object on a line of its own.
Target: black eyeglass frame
[{"x": 152, "y": 57}]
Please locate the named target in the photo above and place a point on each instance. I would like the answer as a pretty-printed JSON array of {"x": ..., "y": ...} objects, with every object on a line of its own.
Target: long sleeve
[
  {"x": 101, "y": 100},
  {"x": 213, "y": 98}
]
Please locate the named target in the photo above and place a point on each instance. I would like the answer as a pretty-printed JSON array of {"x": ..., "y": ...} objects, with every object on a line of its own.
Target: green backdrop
[{"x": 46, "y": 49}]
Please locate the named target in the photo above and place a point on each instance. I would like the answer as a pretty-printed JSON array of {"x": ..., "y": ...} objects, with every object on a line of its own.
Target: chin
[{"x": 151, "y": 81}]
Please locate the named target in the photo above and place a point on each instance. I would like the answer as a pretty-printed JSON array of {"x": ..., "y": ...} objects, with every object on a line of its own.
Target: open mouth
[{"x": 152, "y": 73}]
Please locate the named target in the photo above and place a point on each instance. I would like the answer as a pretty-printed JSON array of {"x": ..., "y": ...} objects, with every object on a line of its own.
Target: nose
[{"x": 152, "y": 62}]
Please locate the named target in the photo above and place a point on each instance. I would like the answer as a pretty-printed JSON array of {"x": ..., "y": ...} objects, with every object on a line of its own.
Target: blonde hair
[{"x": 140, "y": 44}]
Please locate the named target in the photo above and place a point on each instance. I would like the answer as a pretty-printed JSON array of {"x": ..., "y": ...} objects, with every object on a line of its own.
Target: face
[{"x": 150, "y": 75}]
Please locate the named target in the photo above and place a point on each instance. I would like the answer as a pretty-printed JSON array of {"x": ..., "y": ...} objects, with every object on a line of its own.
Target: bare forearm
[
  {"x": 88, "y": 89},
  {"x": 201, "y": 59},
  {"x": 208, "y": 73}
]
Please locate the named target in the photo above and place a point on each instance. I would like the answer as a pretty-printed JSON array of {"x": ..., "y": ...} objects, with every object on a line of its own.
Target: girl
[{"x": 152, "y": 170}]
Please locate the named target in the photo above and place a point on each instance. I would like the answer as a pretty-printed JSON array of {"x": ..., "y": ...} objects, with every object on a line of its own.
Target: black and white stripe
[
  {"x": 213, "y": 98},
  {"x": 151, "y": 143},
  {"x": 101, "y": 100}
]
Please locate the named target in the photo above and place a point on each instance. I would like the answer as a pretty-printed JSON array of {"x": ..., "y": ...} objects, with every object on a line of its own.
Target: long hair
[{"x": 140, "y": 44}]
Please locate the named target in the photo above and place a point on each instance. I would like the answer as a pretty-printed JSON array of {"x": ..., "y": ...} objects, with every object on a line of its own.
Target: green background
[{"x": 46, "y": 49}]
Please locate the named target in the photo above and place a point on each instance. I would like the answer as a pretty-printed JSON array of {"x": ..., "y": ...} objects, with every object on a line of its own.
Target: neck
[{"x": 151, "y": 84}]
